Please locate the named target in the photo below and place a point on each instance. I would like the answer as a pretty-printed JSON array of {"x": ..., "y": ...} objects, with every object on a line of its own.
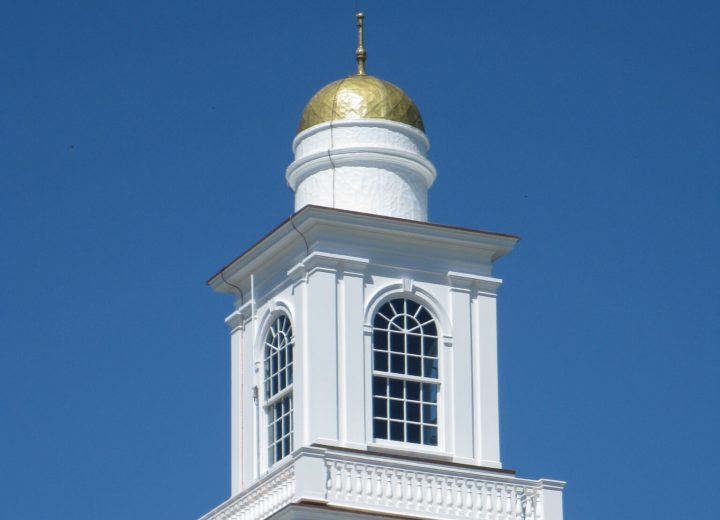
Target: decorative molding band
[
  {"x": 375, "y": 156},
  {"x": 376, "y": 484}
]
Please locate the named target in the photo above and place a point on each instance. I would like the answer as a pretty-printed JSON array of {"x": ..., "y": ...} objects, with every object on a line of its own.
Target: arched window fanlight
[
  {"x": 278, "y": 356},
  {"x": 405, "y": 373}
]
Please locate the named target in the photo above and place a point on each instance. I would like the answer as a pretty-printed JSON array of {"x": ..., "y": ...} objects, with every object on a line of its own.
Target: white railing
[
  {"x": 259, "y": 501},
  {"x": 426, "y": 493},
  {"x": 372, "y": 483}
]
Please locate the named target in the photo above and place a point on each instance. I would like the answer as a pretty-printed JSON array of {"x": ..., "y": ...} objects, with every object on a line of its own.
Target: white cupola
[
  {"x": 363, "y": 339},
  {"x": 361, "y": 146}
]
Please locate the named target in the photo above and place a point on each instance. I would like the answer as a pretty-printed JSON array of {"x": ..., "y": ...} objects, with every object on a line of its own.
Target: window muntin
[
  {"x": 405, "y": 373},
  {"x": 278, "y": 356}
]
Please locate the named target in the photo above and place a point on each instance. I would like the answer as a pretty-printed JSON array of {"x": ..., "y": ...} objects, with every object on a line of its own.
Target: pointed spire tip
[{"x": 360, "y": 54}]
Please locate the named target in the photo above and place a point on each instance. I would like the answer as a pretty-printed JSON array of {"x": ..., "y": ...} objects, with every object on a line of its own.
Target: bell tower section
[{"x": 363, "y": 339}]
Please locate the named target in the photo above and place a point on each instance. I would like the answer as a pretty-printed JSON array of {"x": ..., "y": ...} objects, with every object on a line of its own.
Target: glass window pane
[
  {"x": 396, "y": 410},
  {"x": 286, "y": 445},
  {"x": 396, "y": 388},
  {"x": 396, "y": 431},
  {"x": 430, "y": 435},
  {"x": 381, "y": 361},
  {"x": 286, "y": 423},
  {"x": 411, "y": 307},
  {"x": 423, "y": 315},
  {"x": 413, "y": 344},
  {"x": 429, "y": 393},
  {"x": 397, "y": 363},
  {"x": 278, "y": 452},
  {"x": 413, "y": 433},
  {"x": 430, "y": 329},
  {"x": 380, "y": 429},
  {"x": 429, "y": 414},
  {"x": 412, "y": 390},
  {"x": 414, "y": 366},
  {"x": 387, "y": 310},
  {"x": 379, "y": 385},
  {"x": 412, "y": 412},
  {"x": 380, "y": 340},
  {"x": 379, "y": 407},
  {"x": 430, "y": 368},
  {"x": 397, "y": 342},
  {"x": 430, "y": 347}
]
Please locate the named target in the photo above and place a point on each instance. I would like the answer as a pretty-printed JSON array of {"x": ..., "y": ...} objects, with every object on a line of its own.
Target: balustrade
[{"x": 392, "y": 489}]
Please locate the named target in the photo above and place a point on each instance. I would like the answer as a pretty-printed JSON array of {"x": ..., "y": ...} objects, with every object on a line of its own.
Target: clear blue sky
[{"x": 143, "y": 145}]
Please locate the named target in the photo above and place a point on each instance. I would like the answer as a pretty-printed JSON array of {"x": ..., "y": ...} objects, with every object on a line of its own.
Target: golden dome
[{"x": 360, "y": 97}]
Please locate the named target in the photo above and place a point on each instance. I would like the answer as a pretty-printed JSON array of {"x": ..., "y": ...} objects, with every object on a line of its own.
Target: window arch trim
[{"x": 420, "y": 295}]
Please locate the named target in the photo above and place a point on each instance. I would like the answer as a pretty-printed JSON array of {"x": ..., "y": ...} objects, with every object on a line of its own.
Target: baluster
[
  {"x": 498, "y": 500},
  {"x": 359, "y": 473},
  {"x": 388, "y": 487},
  {"x": 410, "y": 489},
  {"x": 468, "y": 496},
  {"x": 460, "y": 497},
  {"x": 399, "y": 485},
  {"x": 448, "y": 492},
  {"x": 489, "y": 500},
  {"x": 539, "y": 498},
  {"x": 429, "y": 492},
  {"x": 329, "y": 480},
  {"x": 378, "y": 486},
  {"x": 338, "y": 484},
  {"x": 368, "y": 484},
  {"x": 509, "y": 502},
  {"x": 418, "y": 491},
  {"x": 478, "y": 498},
  {"x": 518, "y": 503},
  {"x": 347, "y": 480},
  {"x": 439, "y": 494}
]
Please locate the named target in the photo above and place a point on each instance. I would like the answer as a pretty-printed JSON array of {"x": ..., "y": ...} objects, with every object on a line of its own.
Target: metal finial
[{"x": 360, "y": 53}]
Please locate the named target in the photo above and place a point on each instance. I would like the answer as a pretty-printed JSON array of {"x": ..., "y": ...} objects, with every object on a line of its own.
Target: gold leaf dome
[{"x": 360, "y": 97}]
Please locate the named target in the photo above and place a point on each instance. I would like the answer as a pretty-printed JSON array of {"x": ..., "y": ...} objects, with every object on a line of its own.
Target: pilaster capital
[
  {"x": 236, "y": 321},
  {"x": 328, "y": 262},
  {"x": 485, "y": 285}
]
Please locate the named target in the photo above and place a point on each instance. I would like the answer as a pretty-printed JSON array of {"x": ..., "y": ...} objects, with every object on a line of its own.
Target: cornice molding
[{"x": 464, "y": 282}]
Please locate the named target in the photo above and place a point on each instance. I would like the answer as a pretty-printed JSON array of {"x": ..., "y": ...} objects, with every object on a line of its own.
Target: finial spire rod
[{"x": 360, "y": 53}]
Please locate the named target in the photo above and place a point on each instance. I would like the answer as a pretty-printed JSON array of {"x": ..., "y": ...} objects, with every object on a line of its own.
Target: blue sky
[{"x": 143, "y": 145}]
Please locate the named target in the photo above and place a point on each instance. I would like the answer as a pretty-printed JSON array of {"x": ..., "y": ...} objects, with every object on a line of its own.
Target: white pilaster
[
  {"x": 351, "y": 351},
  {"x": 461, "y": 377},
  {"x": 236, "y": 323}
]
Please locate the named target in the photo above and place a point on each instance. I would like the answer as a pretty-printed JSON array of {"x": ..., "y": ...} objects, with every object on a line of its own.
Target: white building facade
[{"x": 363, "y": 339}]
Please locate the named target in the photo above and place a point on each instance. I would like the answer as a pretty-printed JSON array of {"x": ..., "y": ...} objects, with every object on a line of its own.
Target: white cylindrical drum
[{"x": 368, "y": 165}]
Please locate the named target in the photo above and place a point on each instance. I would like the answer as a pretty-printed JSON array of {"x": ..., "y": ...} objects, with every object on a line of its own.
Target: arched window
[
  {"x": 279, "y": 342},
  {"x": 405, "y": 373}
]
